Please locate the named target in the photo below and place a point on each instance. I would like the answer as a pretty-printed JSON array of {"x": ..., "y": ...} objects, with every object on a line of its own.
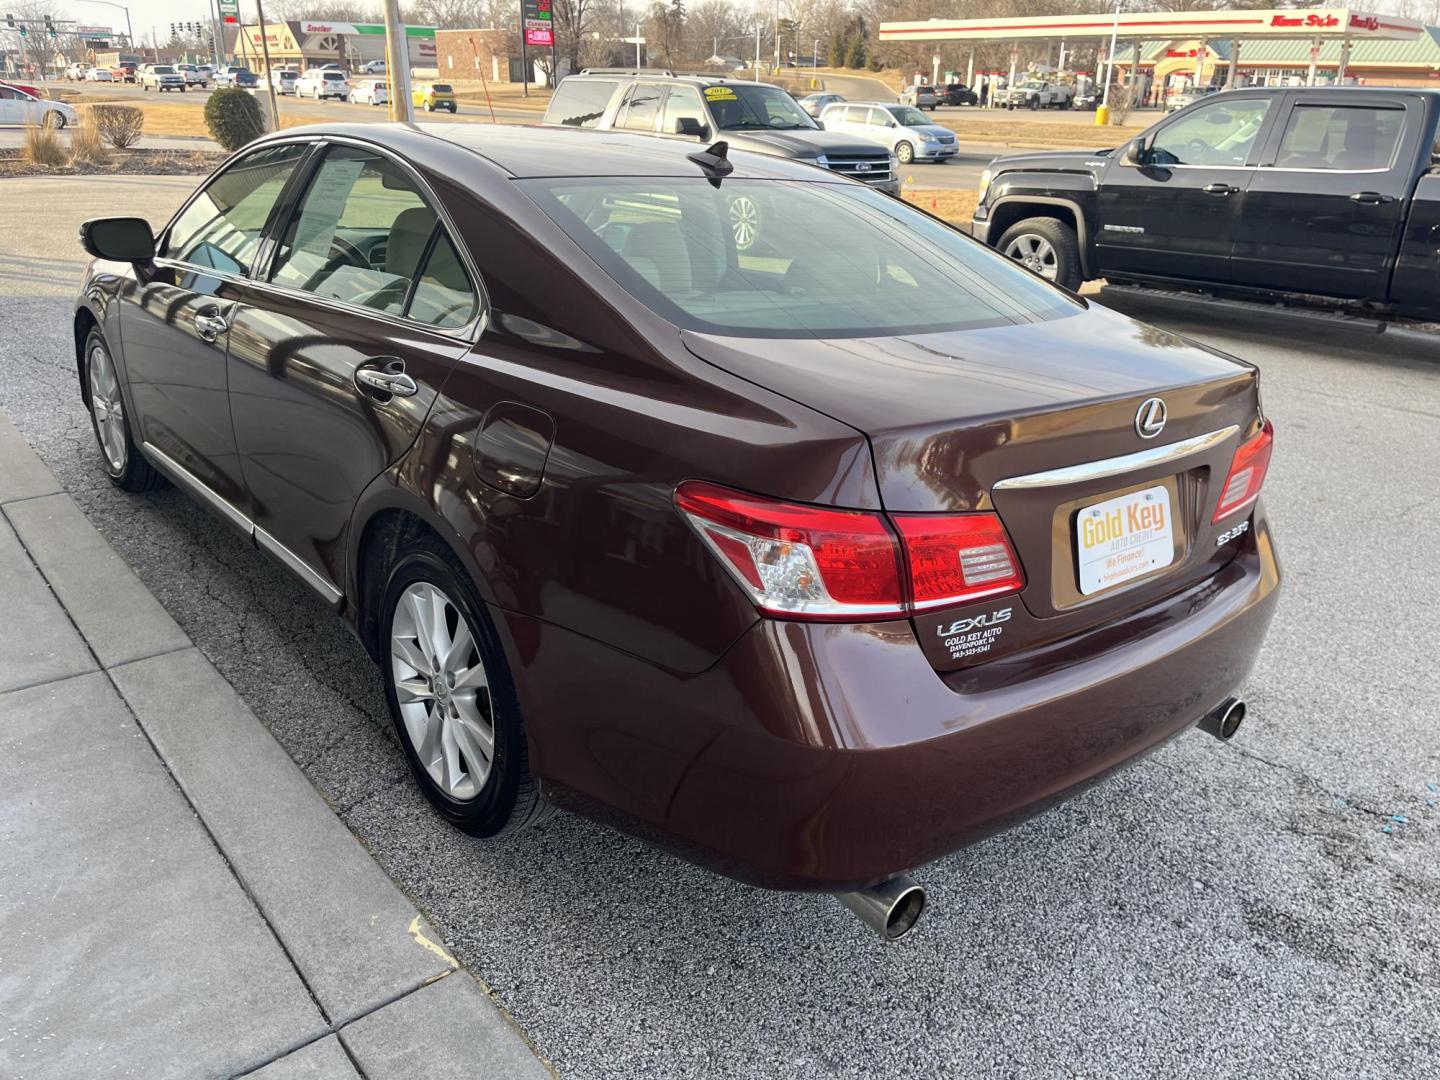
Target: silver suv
[
  {"x": 747, "y": 115},
  {"x": 161, "y": 77}
]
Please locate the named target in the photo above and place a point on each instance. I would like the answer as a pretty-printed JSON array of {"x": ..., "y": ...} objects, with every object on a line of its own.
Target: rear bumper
[{"x": 831, "y": 757}]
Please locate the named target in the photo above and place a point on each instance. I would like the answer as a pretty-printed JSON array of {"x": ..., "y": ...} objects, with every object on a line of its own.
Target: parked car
[
  {"x": 1089, "y": 98},
  {"x": 245, "y": 79},
  {"x": 125, "y": 71},
  {"x": 920, "y": 97},
  {"x": 432, "y": 96},
  {"x": 160, "y": 77},
  {"x": 194, "y": 75},
  {"x": 814, "y": 104},
  {"x": 76, "y": 72},
  {"x": 1183, "y": 99},
  {"x": 1039, "y": 94},
  {"x": 370, "y": 92},
  {"x": 1260, "y": 192},
  {"x": 901, "y": 128},
  {"x": 374, "y": 67},
  {"x": 323, "y": 83},
  {"x": 98, "y": 74},
  {"x": 957, "y": 94},
  {"x": 226, "y": 76},
  {"x": 746, "y": 115},
  {"x": 810, "y": 569},
  {"x": 284, "y": 80},
  {"x": 18, "y": 107}
]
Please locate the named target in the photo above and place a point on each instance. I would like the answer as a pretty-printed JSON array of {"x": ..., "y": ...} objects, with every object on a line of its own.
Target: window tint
[
  {"x": 222, "y": 228},
  {"x": 359, "y": 234},
  {"x": 1340, "y": 137},
  {"x": 682, "y": 102},
  {"x": 759, "y": 258},
  {"x": 443, "y": 295},
  {"x": 1220, "y": 133},
  {"x": 642, "y": 108},
  {"x": 580, "y": 102}
]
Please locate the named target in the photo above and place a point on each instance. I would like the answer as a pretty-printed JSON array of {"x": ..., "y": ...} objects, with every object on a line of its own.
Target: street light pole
[
  {"x": 1110, "y": 60},
  {"x": 129, "y": 34}
]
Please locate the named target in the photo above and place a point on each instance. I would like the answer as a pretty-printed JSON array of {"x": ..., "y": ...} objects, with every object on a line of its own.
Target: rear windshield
[
  {"x": 440, "y": 87},
  {"x": 332, "y": 74},
  {"x": 759, "y": 258},
  {"x": 580, "y": 102}
]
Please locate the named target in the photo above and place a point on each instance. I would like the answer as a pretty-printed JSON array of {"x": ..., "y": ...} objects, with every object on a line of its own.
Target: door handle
[
  {"x": 1371, "y": 198},
  {"x": 387, "y": 381},
  {"x": 1219, "y": 189},
  {"x": 210, "y": 324}
]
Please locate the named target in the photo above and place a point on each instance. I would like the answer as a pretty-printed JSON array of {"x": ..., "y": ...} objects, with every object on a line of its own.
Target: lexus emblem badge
[{"x": 1150, "y": 418}]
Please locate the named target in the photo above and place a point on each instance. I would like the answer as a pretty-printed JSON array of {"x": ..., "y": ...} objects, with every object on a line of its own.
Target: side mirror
[
  {"x": 1137, "y": 151},
  {"x": 120, "y": 239},
  {"x": 688, "y": 125}
]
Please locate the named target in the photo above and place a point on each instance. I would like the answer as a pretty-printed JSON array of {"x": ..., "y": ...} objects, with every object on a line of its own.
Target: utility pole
[
  {"x": 397, "y": 65},
  {"x": 269, "y": 82},
  {"x": 1110, "y": 60},
  {"x": 637, "y": 45}
]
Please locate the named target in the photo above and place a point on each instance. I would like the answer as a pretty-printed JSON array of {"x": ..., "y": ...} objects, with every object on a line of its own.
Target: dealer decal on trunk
[{"x": 974, "y": 635}]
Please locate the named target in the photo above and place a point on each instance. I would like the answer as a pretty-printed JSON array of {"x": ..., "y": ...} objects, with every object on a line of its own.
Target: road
[{"x": 1230, "y": 910}]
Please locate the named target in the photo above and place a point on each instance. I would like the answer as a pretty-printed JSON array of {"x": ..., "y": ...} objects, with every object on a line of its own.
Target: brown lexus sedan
[{"x": 716, "y": 497}]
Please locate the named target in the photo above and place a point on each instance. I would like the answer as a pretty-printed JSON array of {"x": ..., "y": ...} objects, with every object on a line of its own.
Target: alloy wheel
[
  {"x": 442, "y": 690},
  {"x": 107, "y": 408},
  {"x": 744, "y": 221},
  {"x": 1035, "y": 252}
]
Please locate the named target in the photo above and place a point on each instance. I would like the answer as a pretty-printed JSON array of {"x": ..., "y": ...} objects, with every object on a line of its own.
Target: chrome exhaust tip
[
  {"x": 1225, "y": 719},
  {"x": 891, "y": 908}
]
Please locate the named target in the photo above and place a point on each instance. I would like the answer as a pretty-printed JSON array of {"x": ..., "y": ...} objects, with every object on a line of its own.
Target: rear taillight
[
  {"x": 956, "y": 559},
  {"x": 812, "y": 562},
  {"x": 799, "y": 561},
  {"x": 1247, "y": 473}
]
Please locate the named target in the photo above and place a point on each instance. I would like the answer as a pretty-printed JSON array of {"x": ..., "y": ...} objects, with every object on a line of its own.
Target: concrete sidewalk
[{"x": 176, "y": 900}]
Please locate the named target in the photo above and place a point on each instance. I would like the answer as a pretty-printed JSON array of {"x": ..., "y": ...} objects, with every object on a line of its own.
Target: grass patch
[
  {"x": 970, "y": 126},
  {"x": 42, "y": 146},
  {"x": 956, "y": 207}
]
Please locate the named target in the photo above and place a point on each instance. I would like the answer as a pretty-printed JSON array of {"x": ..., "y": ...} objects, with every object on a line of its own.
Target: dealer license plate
[{"x": 1123, "y": 538}]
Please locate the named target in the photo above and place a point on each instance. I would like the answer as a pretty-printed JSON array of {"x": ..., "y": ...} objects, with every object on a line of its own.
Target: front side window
[
  {"x": 675, "y": 245},
  {"x": 580, "y": 102},
  {"x": 642, "y": 108},
  {"x": 361, "y": 235},
  {"x": 223, "y": 226},
  {"x": 1340, "y": 137},
  {"x": 682, "y": 103},
  {"x": 908, "y": 117},
  {"x": 1220, "y": 133}
]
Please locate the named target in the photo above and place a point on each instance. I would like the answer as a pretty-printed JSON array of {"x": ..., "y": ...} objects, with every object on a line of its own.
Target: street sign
[
  {"x": 536, "y": 14},
  {"x": 230, "y": 12},
  {"x": 93, "y": 32}
]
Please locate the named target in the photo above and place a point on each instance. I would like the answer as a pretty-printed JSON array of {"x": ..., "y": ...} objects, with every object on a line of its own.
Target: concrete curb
[{"x": 363, "y": 955}]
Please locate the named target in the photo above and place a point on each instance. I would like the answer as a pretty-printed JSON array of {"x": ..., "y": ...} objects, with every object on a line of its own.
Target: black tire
[
  {"x": 1062, "y": 240},
  {"x": 510, "y": 798},
  {"x": 904, "y": 153},
  {"x": 1034, "y": 103},
  {"x": 136, "y": 474},
  {"x": 54, "y": 120}
]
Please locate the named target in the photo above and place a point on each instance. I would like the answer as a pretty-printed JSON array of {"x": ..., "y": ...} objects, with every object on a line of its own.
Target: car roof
[{"x": 523, "y": 151}]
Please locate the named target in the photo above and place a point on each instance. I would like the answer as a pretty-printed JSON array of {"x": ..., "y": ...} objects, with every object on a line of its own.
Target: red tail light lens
[
  {"x": 805, "y": 562},
  {"x": 956, "y": 559},
  {"x": 1247, "y": 474}
]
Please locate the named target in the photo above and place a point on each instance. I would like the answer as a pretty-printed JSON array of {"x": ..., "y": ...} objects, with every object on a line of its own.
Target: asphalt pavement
[{"x": 1268, "y": 907}]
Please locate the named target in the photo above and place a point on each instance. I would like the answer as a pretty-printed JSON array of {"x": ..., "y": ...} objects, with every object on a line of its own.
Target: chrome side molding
[
  {"x": 1116, "y": 466},
  {"x": 188, "y": 481}
]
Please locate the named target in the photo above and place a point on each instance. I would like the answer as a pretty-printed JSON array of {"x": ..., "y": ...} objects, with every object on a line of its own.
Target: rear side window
[
  {"x": 642, "y": 107},
  {"x": 361, "y": 235},
  {"x": 580, "y": 102},
  {"x": 1340, "y": 137},
  {"x": 222, "y": 228}
]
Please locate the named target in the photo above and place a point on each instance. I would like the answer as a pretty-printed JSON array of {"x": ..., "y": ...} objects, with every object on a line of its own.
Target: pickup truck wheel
[
  {"x": 1047, "y": 246},
  {"x": 1034, "y": 103}
]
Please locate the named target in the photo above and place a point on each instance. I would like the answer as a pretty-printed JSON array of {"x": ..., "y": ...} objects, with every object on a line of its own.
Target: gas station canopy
[{"x": 1252, "y": 23}]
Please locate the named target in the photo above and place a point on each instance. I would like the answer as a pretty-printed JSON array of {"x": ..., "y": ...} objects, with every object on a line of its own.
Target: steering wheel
[
  {"x": 344, "y": 254},
  {"x": 381, "y": 299},
  {"x": 1198, "y": 152}
]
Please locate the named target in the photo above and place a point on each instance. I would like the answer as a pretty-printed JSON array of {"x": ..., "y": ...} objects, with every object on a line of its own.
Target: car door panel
[
  {"x": 1325, "y": 211},
  {"x": 1175, "y": 213}
]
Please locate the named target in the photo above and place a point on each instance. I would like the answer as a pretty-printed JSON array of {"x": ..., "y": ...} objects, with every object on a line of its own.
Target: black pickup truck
[{"x": 1262, "y": 192}]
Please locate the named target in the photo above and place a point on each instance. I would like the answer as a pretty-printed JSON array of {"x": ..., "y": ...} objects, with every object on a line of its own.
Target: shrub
[
  {"x": 855, "y": 54},
  {"x": 42, "y": 146},
  {"x": 86, "y": 143},
  {"x": 118, "y": 125},
  {"x": 234, "y": 117}
]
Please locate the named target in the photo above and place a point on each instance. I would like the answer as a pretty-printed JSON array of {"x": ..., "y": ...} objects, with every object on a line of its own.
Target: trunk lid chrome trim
[{"x": 1117, "y": 466}]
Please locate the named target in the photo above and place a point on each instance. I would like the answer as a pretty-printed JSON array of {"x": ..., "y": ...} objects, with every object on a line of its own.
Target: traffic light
[
  {"x": 50, "y": 28},
  {"x": 9, "y": 21}
]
